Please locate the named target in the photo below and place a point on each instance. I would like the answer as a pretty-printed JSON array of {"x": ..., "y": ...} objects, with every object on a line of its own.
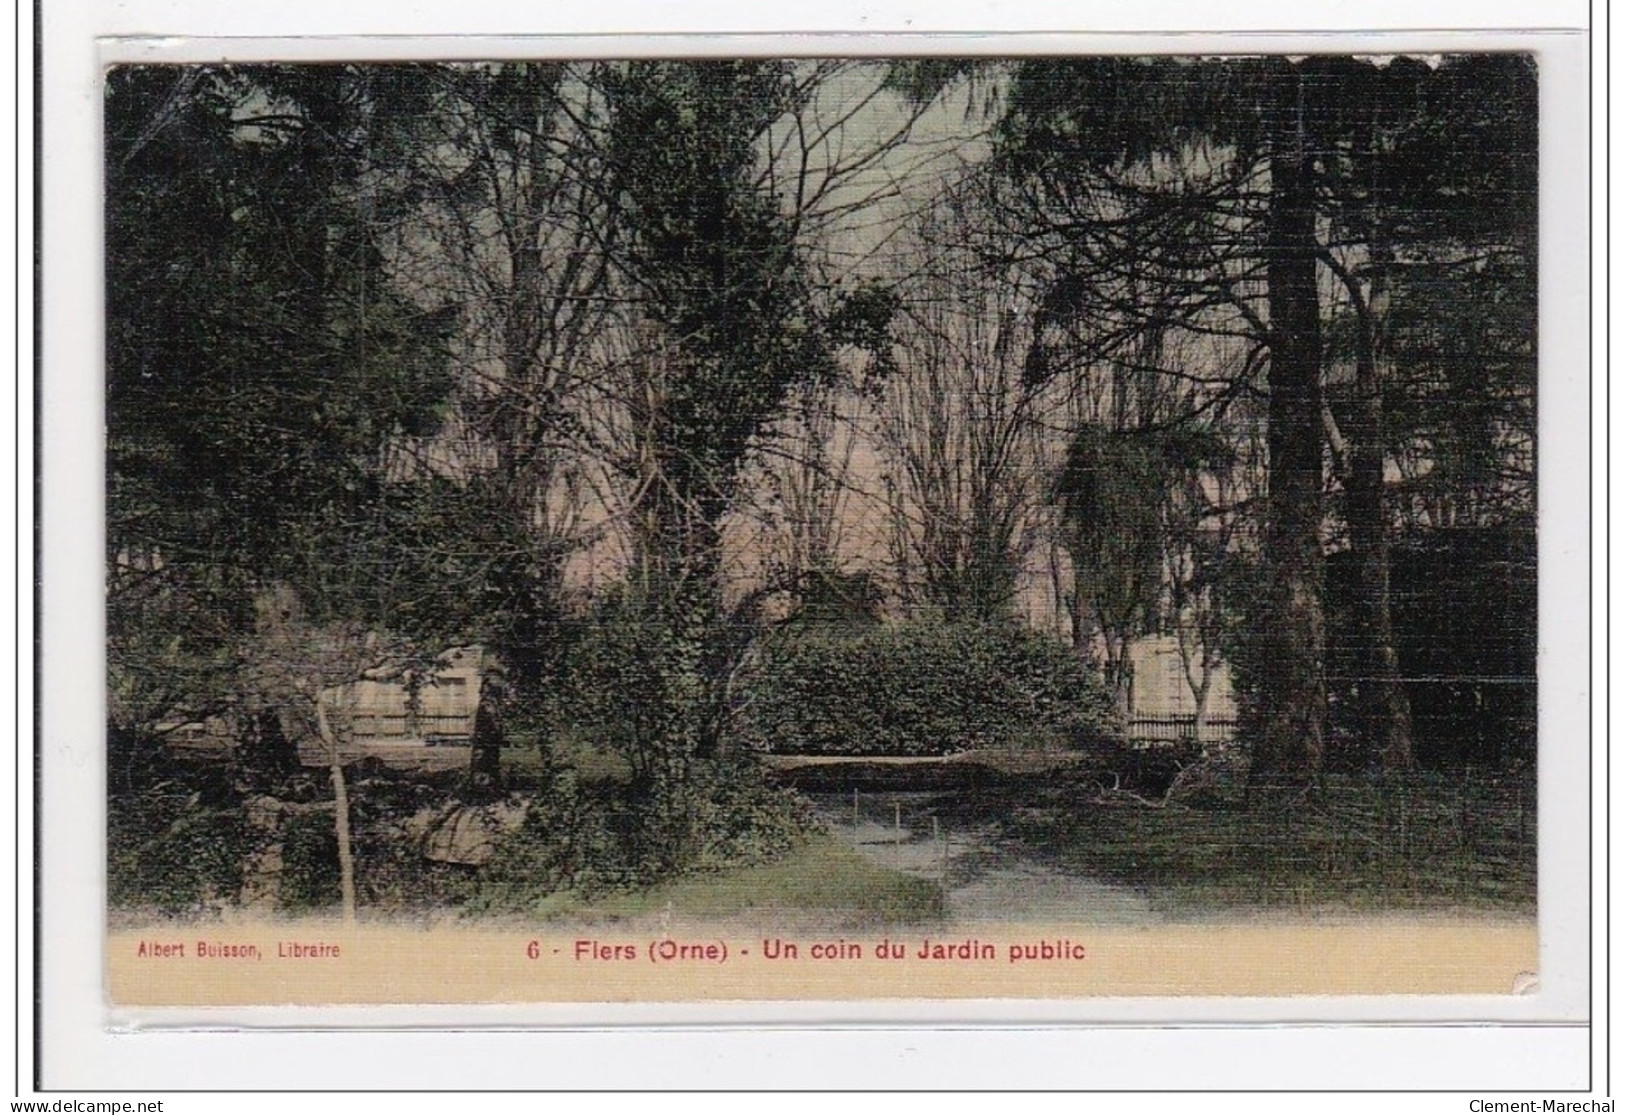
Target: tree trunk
[
  {"x": 1198, "y": 682},
  {"x": 341, "y": 809},
  {"x": 268, "y": 758},
  {"x": 1078, "y": 612},
  {"x": 485, "y": 748},
  {"x": 1201, "y": 691},
  {"x": 263, "y": 864},
  {"x": 1200, "y": 696},
  {"x": 1291, "y": 628},
  {"x": 341, "y": 828},
  {"x": 1057, "y": 587},
  {"x": 1119, "y": 670},
  {"x": 1385, "y": 710}
]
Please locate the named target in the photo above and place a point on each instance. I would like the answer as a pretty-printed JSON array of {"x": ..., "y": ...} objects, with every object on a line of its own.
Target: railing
[
  {"x": 1180, "y": 729},
  {"x": 390, "y": 725}
]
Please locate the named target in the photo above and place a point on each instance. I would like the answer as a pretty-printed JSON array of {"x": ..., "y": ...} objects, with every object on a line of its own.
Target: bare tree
[
  {"x": 516, "y": 225},
  {"x": 955, "y": 427}
]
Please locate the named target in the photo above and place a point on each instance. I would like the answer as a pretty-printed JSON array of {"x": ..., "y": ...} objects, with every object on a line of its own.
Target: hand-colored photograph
[{"x": 821, "y": 529}]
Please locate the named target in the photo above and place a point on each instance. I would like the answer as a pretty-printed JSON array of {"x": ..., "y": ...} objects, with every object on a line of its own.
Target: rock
[
  {"x": 467, "y": 834},
  {"x": 262, "y": 866}
]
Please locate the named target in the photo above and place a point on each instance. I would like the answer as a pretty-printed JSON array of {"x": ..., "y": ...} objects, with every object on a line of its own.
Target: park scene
[{"x": 822, "y": 495}]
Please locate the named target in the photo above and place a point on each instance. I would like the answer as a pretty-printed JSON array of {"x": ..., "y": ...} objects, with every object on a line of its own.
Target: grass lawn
[
  {"x": 1432, "y": 843},
  {"x": 821, "y": 882}
]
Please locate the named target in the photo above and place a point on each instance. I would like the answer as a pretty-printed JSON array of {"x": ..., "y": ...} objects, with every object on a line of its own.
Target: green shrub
[
  {"x": 578, "y": 844},
  {"x": 744, "y": 820},
  {"x": 616, "y": 690},
  {"x": 170, "y": 849},
  {"x": 570, "y": 843},
  {"x": 921, "y": 689},
  {"x": 310, "y": 863}
]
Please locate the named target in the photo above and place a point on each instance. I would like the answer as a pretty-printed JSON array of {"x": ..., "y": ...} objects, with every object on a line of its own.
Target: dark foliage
[
  {"x": 717, "y": 262},
  {"x": 175, "y": 845},
  {"x": 613, "y": 686},
  {"x": 1465, "y": 614},
  {"x": 258, "y": 365},
  {"x": 574, "y": 840},
  {"x": 580, "y": 842},
  {"x": 310, "y": 856}
]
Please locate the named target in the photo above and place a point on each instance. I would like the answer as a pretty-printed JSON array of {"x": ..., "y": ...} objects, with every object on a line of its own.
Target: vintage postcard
[{"x": 636, "y": 529}]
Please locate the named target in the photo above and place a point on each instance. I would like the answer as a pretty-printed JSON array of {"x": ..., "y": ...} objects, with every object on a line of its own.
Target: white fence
[{"x": 1151, "y": 730}]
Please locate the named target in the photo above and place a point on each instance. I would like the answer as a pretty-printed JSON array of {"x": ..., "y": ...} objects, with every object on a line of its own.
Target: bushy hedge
[{"x": 920, "y": 688}]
